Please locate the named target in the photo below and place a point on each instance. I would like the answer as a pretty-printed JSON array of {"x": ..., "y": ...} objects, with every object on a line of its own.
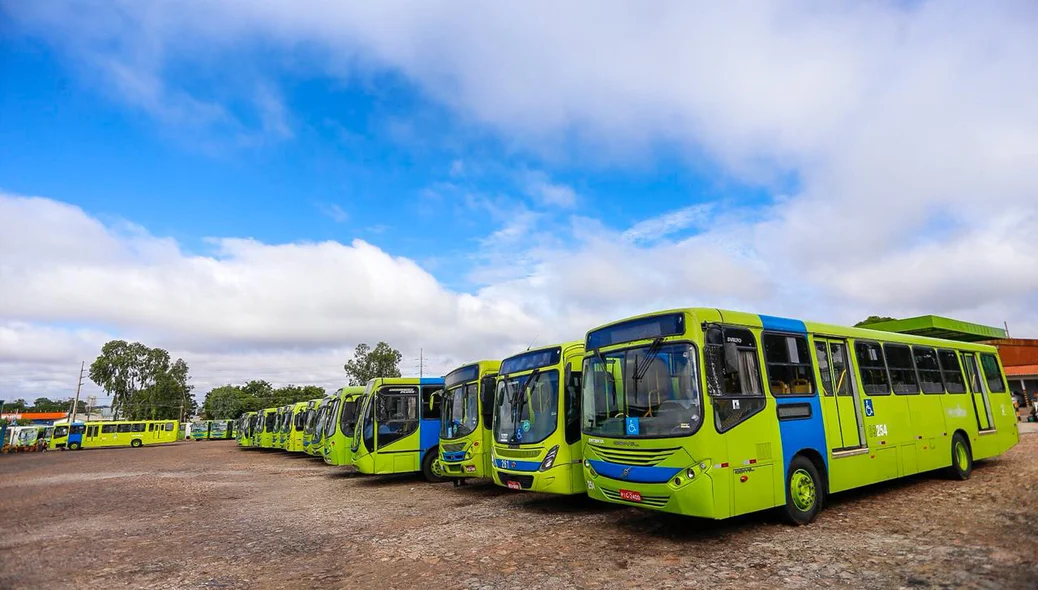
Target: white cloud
[
  {"x": 910, "y": 130},
  {"x": 553, "y": 194},
  {"x": 334, "y": 212},
  {"x": 668, "y": 223}
]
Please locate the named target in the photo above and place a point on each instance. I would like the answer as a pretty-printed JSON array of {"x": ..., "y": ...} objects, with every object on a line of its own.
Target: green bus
[
  {"x": 283, "y": 427},
  {"x": 244, "y": 429},
  {"x": 714, "y": 413},
  {"x": 398, "y": 429},
  {"x": 324, "y": 408},
  {"x": 466, "y": 420},
  {"x": 294, "y": 443},
  {"x": 338, "y": 429},
  {"x": 116, "y": 433},
  {"x": 537, "y": 444},
  {"x": 212, "y": 430},
  {"x": 266, "y": 421},
  {"x": 310, "y": 422}
]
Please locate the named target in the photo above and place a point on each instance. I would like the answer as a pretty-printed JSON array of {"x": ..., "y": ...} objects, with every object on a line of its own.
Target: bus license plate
[
  {"x": 514, "y": 485},
  {"x": 630, "y": 496}
]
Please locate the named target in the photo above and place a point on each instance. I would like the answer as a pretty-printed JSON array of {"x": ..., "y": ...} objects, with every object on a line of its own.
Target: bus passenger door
[
  {"x": 843, "y": 420},
  {"x": 981, "y": 405},
  {"x": 397, "y": 437}
]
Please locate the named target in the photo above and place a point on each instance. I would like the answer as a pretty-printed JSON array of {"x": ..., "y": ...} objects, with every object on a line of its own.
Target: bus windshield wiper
[
  {"x": 640, "y": 371},
  {"x": 519, "y": 400}
]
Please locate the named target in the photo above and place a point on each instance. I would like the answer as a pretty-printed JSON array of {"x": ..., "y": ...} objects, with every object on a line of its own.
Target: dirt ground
[{"x": 211, "y": 515}]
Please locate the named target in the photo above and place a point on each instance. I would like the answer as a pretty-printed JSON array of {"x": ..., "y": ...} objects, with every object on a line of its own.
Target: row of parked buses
[
  {"x": 700, "y": 412},
  {"x": 114, "y": 433}
]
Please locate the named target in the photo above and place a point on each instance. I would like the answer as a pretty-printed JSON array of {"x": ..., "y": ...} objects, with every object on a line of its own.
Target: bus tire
[
  {"x": 136, "y": 443},
  {"x": 74, "y": 446},
  {"x": 962, "y": 458},
  {"x": 428, "y": 471},
  {"x": 804, "y": 491}
]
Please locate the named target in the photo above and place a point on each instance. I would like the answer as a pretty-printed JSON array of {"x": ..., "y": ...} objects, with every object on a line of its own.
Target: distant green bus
[
  {"x": 310, "y": 423},
  {"x": 537, "y": 443},
  {"x": 714, "y": 413},
  {"x": 466, "y": 420},
  {"x": 325, "y": 407},
  {"x": 115, "y": 433},
  {"x": 295, "y": 433},
  {"x": 338, "y": 429},
  {"x": 212, "y": 430},
  {"x": 266, "y": 422},
  {"x": 244, "y": 427}
]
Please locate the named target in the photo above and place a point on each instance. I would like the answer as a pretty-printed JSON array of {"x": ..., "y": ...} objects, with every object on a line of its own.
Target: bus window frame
[{"x": 861, "y": 370}]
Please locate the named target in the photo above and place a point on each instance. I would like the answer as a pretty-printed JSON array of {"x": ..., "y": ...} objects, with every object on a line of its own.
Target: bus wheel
[
  {"x": 962, "y": 458},
  {"x": 136, "y": 443},
  {"x": 74, "y": 446},
  {"x": 430, "y": 469},
  {"x": 804, "y": 491}
]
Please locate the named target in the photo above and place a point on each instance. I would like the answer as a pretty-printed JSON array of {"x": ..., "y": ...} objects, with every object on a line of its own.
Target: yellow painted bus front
[
  {"x": 466, "y": 420},
  {"x": 537, "y": 444}
]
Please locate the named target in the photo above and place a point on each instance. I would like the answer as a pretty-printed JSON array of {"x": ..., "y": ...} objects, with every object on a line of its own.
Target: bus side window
[
  {"x": 487, "y": 388},
  {"x": 952, "y": 371},
  {"x": 107, "y": 428},
  {"x": 572, "y": 406},
  {"x": 733, "y": 376},
  {"x": 432, "y": 395},
  {"x": 902, "y": 370},
  {"x": 788, "y": 359},
  {"x": 169, "y": 427},
  {"x": 992, "y": 374},
  {"x": 77, "y": 429},
  {"x": 873, "y": 368}
]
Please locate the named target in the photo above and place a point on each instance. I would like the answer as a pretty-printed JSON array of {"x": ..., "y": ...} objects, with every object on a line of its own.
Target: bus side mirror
[{"x": 731, "y": 358}]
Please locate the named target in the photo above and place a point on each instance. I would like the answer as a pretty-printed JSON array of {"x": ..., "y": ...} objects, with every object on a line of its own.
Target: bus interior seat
[{"x": 801, "y": 386}]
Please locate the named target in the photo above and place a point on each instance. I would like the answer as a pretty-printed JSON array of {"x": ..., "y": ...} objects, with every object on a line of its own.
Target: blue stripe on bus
[
  {"x": 516, "y": 465},
  {"x": 454, "y": 457},
  {"x": 634, "y": 473},
  {"x": 429, "y": 434},
  {"x": 798, "y": 435},
  {"x": 778, "y": 324},
  {"x": 431, "y": 381}
]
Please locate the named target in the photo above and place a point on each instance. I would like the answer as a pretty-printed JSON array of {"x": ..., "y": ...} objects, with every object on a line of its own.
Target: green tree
[
  {"x": 225, "y": 402},
  {"x": 367, "y": 363},
  {"x": 259, "y": 394},
  {"x": 142, "y": 381},
  {"x": 15, "y": 407},
  {"x": 873, "y": 319}
]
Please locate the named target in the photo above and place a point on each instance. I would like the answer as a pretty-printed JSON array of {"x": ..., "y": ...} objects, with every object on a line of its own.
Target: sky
[{"x": 258, "y": 186}]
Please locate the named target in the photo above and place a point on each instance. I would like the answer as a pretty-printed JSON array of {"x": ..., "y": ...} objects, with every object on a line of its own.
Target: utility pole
[
  {"x": 75, "y": 402},
  {"x": 421, "y": 362}
]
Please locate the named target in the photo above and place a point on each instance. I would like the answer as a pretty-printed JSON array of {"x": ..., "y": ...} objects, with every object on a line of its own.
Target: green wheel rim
[
  {"x": 802, "y": 490},
  {"x": 961, "y": 458}
]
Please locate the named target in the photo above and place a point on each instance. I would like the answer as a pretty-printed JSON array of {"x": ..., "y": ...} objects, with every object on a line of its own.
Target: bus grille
[
  {"x": 652, "y": 501},
  {"x": 641, "y": 457},
  {"x": 505, "y": 452},
  {"x": 452, "y": 447},
  {"x": 525, "y": 481}
]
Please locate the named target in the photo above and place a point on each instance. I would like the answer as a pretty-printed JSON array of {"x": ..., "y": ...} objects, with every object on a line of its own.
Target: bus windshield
[
  {"x": 60, "y": 431},
  {"x": 460, "y": 414},
  {"x": 330, "y": 417},
  {"x": 527, "y": 407},
  {"x": 642, "y": 392}
]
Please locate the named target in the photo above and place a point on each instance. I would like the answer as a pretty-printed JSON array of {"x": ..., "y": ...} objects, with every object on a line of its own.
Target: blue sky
[
  {"x": 259, "y": 186},
  {"x": 373, "y": 159}
]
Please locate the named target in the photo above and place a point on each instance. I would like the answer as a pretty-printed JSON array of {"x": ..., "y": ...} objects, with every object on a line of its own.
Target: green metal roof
[{"x": 938, "y": 327}]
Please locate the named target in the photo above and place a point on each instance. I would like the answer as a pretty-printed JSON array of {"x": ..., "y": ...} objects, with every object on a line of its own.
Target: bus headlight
[
  {"x": 549, "y": 459},
  {"x": 690, "y": 473}
]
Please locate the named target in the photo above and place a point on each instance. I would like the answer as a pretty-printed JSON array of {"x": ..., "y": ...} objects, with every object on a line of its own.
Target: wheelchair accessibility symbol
[
  {"x": 632, "y": 426},
  {"x": 868, "y": 408}
]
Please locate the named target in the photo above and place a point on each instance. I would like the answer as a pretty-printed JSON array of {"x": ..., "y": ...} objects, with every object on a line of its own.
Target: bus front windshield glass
[
  {"x": 60, "y": 431},
  {"x": 527, "y": 407},
  {"x": 460, "y": 414},
  {"x": 645, "y": 392}
]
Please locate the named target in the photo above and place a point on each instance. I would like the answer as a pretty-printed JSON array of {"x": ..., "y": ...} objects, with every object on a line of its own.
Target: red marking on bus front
[
  {"x": 514, "y": 485},
  {"x": 630, "y": 496}
]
